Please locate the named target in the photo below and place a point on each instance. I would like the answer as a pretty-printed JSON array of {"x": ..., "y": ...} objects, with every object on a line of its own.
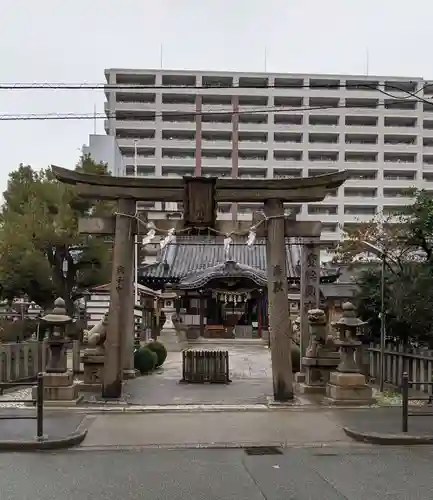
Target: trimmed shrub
[
  {"x": 145, "y": 360},
  {"x": 296, "y": 358},
  {"x": 159, "y": 349}
]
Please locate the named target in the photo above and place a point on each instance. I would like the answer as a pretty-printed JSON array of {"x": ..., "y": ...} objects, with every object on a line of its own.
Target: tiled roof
[{"x": 193, "y": 254}]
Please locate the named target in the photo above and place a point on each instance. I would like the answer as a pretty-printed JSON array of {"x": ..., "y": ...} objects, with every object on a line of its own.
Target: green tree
[
  {"x": 407, "y": 242},
  {"x": 39, "y": 235}
]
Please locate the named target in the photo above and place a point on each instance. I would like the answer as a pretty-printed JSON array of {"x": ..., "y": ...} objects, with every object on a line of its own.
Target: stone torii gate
[{"x": 200, "y": 196}]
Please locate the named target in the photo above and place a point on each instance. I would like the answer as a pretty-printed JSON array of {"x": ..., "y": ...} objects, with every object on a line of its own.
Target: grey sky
[{"x": 73, "y": 41}]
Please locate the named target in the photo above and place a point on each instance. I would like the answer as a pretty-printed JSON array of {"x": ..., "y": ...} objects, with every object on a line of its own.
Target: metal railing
[
  {"x": 405, "y": 385},
  {"x": 38, "y": 401}
]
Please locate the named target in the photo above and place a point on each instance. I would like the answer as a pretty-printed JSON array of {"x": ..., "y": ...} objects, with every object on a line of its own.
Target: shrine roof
[{"x": 190, "y": 255}]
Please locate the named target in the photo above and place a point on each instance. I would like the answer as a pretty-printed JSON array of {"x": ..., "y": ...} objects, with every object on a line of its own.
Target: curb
[
  {"x": 223, "y": 446},
  {"x": 115, "y": 408},
  {"x": 387, "y": 439},
  {"x": 74, "y": 439}
]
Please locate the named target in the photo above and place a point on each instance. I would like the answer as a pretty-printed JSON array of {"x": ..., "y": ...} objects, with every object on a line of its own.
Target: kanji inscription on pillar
[
  {"x": 310, "y": 279},
  {"x": 277, "y": 285}
]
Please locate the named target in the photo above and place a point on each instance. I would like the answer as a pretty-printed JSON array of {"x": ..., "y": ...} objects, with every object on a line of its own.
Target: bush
[
  {"x": 145, "y": 360},
  {"x": 296, "y": 358},
  {"x": 159, "y": 349}
]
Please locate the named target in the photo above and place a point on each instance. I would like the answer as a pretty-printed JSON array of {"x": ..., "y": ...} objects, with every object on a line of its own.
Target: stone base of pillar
[
  {"x": 59, "y": 389},
  {"x": 317, "y": 372},
  {"x": 93, "y": 372},
  {"x": 348, "y": 389},
  {"x": 170, "y": 339}
]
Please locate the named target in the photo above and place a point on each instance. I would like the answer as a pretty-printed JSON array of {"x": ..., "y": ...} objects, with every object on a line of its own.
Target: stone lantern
[
  {"x": 168, "y": 334},
  {"x": 347, "y": 385},
  {"x": 59, "y": 387},
  {"x": 56, "y": 323}
]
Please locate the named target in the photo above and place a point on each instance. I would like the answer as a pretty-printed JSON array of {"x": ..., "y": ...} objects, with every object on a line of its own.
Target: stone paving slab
[{"x": 250, "y": 372}]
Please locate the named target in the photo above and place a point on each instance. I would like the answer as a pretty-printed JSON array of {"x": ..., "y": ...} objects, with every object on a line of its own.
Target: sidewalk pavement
[
  {"x": 229, "y": 428},
  {"x": 224, "y": 429},
  {"x": 384, "y": 425},
  {"x": 18, "y": 431}
]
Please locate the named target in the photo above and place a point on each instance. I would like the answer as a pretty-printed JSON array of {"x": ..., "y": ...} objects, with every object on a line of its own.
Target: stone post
[
  {"x": 310, "y": 293},
  {"x": 346, "y": 385},
  {"x": 122, "y": 269},
  {"x": 168, "y": 335},
  {"x": 279, "y": 315}
]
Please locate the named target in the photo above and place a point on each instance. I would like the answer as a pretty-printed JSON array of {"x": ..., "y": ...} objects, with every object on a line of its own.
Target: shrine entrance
[{"x": 199, "y": 196}]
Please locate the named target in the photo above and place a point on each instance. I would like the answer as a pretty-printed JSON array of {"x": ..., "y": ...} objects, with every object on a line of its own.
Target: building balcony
[
  {"x": 141, "y": 160},
  {"x": 132, "y": 124},
  {"x": 400, "y": 183},
  {"x": 358, "y": 146},
  {"x": 215, "y": 161},
  {"x": 250, "y": 162},
  {"x": 354, "y": 218},
  {"x": 181, "y": 161},
  {"x": 178, "y": 143},
  {"x": 253, "y": 145},
  {"x": 220, "y": 144},
  {"x": 216, "y": 126},
  {"x": 361, "y": 183},
  {"x": 399, "y": 165},
  {"x": 141, "y": 143},
  {"x": 400, "y": 130},
  {"x": 132, "y": 106},
  {"x": 403, "y": 147},
  {"x": 252, "y": 127}
]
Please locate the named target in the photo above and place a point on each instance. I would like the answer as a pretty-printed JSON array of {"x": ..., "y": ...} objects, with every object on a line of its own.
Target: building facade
[
  {"x": 279, "y": 125},
  {"x": 105, "y": 149}
]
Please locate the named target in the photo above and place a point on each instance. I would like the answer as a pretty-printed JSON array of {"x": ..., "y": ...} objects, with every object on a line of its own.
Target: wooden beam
[
  {"x": 73, "y": 177},
  {"x": 107, "y": 225},
  {"x": 327, "y": 181},
  {"x": 262, "y": 194},
  {"x": 129, "y": 193}
]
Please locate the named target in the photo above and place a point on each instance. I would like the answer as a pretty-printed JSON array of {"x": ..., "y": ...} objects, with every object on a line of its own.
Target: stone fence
[
  {"x": 23, "y": 360},
  {"x": 418, "y": 363}
]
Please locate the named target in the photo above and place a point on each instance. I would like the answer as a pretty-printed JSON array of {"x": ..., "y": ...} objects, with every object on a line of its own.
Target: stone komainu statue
[
  {"x": 96, "y": 336},
  {"x": 320, "y": 341}
]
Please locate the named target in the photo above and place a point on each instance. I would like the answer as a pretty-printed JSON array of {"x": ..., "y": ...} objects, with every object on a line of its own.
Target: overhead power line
[
  {"x": 192, "y": 114},
  {"x": 118, "y": 86}
]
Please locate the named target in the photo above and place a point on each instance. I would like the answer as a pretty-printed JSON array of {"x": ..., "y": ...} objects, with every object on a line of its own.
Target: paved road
[{"x": 359, "y": 473}]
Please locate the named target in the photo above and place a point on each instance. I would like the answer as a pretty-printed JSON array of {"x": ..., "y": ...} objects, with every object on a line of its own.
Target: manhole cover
[{"x": 263, "y": 450}]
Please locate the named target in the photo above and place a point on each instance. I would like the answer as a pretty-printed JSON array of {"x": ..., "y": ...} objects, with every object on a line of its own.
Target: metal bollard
[
  {"x": 405, "y": 401},
  {"x": 40, "y": 406}
]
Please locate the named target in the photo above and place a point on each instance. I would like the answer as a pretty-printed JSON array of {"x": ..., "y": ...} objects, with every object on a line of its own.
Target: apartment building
[{"x": 252, "y": 125}]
